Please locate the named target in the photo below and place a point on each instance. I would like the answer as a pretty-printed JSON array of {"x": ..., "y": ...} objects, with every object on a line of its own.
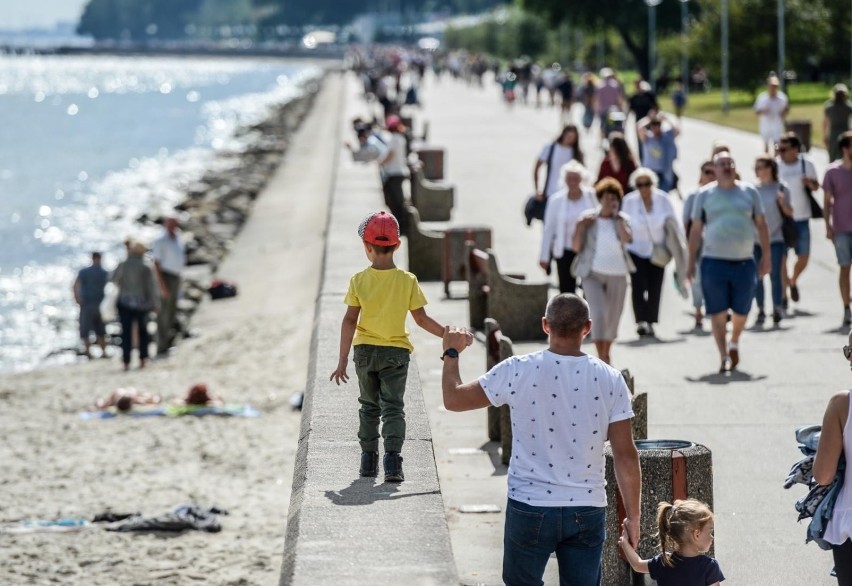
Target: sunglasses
[
  {"x": 641, "y": 184},
  {"x": 847, "y": 351}
]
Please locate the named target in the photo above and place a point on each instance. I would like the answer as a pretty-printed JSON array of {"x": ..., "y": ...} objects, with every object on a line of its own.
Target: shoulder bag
[
  {"x": 534, "y": 207},
  {"x": 816, "y": 210},
  {"x": 788, "y": 227},
  {"x": 660, "y": 255}
]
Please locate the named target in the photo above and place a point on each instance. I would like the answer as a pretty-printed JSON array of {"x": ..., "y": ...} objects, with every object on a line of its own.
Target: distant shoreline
[{"x": 330, "y": 53}]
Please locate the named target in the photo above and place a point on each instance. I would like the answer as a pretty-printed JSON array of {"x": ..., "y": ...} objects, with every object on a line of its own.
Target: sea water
[{"x": 87, "y": 144}]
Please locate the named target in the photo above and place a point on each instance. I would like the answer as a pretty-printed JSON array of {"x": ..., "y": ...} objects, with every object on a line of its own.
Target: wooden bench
[
  {"x": 456, "y": 252},
  {"x": 425, "y": 249},
  {"x": 518, "y": 306},
  {"x": 498, "y": 348},
  {"x": 433, "y": 200}
]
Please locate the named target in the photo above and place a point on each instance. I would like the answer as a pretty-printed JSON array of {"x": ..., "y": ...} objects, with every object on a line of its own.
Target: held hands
[
  {"x": 458, "y": 338},
  {"x": 339, "y": 373},
  {"x": 629, "y": 535}
]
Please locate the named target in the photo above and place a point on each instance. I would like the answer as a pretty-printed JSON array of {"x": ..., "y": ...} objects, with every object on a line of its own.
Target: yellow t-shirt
[{"x": 385, "y": 298}]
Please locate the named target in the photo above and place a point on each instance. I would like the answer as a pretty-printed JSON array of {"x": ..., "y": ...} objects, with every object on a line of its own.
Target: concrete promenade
[{"x": 747, "y": 418}]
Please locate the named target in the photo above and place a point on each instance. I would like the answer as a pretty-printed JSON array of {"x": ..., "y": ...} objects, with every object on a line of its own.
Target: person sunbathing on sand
[
  {"x": 199, "y": 396},
  {"x": 124, "y": 398}
]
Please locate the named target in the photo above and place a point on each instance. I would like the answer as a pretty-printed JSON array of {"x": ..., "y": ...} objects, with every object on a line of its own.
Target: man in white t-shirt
[
  {"x": 771, "y": 108},
  {"x": 800, "y": 175},
  {"x": 169, "y": 254},
  {"x": 565, "y": 405}
]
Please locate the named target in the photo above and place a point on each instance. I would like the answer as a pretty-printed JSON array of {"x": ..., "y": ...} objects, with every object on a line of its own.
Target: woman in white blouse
[
  {"x": 563, "y": 210},
  {"x": 603, "y": 263},
  {"x": 648, "y": 209}
]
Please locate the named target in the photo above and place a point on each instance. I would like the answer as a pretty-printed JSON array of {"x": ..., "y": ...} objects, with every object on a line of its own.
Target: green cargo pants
[{"x": 382, "y": 372}]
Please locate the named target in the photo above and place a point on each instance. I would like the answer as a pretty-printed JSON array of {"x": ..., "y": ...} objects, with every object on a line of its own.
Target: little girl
[{"x": 686, "y": 533}]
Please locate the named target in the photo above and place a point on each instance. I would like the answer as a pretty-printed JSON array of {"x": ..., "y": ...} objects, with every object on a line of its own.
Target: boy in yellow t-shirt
[{"x": 378, "y": 299}]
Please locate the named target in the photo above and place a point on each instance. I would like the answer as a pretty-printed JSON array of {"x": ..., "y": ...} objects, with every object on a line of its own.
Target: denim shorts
[
  {"x": 728, "y": 284},
  {"x": 843, "y": 248},
  {"x": 803, "y": 244}
]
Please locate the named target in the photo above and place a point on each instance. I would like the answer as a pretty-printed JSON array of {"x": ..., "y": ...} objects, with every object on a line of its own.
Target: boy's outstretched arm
[
  {"x": 637, "y": 563},
  {"x": 422, "y": 319},
  {"x": 347, "y": 332}
]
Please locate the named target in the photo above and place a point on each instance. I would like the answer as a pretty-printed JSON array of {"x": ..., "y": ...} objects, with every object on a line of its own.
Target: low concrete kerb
[{"x": 343, "y": 529}]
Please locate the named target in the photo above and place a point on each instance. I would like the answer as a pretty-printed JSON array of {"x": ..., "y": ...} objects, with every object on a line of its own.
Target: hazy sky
[{"x": 38, "y": 13}]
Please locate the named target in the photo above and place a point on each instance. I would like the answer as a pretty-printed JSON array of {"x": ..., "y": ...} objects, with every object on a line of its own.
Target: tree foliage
[{"x": 628, "y": 17}]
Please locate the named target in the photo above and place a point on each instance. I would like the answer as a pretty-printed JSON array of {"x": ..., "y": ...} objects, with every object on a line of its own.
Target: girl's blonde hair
[{"x": 675, "y": 521}]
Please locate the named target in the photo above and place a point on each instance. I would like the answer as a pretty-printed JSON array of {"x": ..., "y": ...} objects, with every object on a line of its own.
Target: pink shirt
[{"x": 838, "y": 182}]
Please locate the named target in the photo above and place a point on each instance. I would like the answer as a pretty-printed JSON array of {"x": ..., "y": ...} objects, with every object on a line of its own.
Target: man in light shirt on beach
[{"x": 169, "y": 259}]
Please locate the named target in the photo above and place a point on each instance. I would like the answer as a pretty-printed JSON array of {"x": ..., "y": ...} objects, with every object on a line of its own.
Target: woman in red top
[{"x": 619, "y": 162}]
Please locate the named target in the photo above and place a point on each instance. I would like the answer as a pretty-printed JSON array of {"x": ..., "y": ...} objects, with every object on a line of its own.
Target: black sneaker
[
  {"x": 847, "y": 316},
  {"x": 393, "y": 467},
  {"x": 761, "y": 317},
  {"x": 370, "y": 464},
  {"x": 642, "y": 328},
  {"x": 777, "y": 316},
  {"x": 794, "y": 293}
]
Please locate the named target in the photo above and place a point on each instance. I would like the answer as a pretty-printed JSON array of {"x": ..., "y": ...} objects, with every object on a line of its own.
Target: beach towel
[
  {"x": 184, "y": 517},
  {"x": 230, "y": 410}
]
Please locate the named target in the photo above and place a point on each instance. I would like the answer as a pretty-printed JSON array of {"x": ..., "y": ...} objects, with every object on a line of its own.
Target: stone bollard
[
  {"x": 671, "y": 469},
  {"x": 432, "y": 158}
]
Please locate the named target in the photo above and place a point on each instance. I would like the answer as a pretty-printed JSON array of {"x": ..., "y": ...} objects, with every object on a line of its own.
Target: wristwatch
[{"x": 451, "y": 352}]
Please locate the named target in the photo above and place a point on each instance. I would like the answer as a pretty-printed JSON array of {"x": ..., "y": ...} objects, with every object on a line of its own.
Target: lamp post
[
  {"x": 781, "y": 65},
  {"x": 684, "y": 64},
  {"x": 725, "y": 105},
  {"x": 652, "y": 40}
]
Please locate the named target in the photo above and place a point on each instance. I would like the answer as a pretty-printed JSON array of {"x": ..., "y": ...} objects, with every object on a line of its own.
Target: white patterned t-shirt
[{"x": 561, "y": 410}]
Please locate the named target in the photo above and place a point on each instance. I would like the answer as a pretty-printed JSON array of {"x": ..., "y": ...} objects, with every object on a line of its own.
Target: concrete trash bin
[
  {"x": 671, "y": 469},
  {"x": 802, "y": 128},
  {"x": 432, "y": 158}
]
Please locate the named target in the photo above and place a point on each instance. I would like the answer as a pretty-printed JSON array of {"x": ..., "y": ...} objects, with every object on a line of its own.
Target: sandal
[
  {"x": 726, "y": 365},
  {"x": 734, "y": 353}
]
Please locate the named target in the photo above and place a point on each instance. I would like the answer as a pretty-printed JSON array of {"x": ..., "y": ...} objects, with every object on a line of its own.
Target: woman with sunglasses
[
  {"x": 708, "y": 175},
  {"x": 649, "y": 209},
  {"x": 602, "y": 263},
  {"x": 835, "y": 440},
  {"x": 776, "y": 201}
]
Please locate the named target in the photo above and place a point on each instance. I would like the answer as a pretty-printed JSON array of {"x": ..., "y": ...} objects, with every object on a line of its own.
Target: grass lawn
[{"x": 806, "y": 101}]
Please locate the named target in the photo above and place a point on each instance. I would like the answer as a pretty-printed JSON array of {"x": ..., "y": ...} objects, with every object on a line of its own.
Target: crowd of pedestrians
[{"x": 621, "y": 228}]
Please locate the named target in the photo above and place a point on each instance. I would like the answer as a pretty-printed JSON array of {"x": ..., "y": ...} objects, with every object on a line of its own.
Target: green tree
[
  {"x": 628, "y": 17},
  {"x": 753, "y": 44}
]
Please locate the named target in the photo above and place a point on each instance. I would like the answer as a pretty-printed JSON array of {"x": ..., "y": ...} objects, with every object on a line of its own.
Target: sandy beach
[{"x": 250, "y": 349}]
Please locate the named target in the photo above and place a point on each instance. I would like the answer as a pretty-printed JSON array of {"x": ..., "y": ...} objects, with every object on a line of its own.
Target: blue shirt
[
  {"x": 90, "y": 283},
  {"x": 728, "y": 216}
]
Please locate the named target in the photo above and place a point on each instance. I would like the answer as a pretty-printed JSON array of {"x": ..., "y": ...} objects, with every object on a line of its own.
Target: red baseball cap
[
  {"x": 380, "y": 229},
  {"x": 393, "y": 122}
]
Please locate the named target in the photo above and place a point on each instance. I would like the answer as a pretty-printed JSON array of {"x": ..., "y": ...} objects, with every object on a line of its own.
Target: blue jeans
[
  {"x": 576, "y": 534},
  {"x": 776, "y": 254}
]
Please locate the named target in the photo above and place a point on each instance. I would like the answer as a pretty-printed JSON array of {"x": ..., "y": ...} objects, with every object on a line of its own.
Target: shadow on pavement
[
  {"x": 365, "y": 491},
  {"x": 842, "y": 330},
  {"x": 719, "y": 378},
  {"x": 493, "y": 451},
  {"x": 652, "y": 340}
]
